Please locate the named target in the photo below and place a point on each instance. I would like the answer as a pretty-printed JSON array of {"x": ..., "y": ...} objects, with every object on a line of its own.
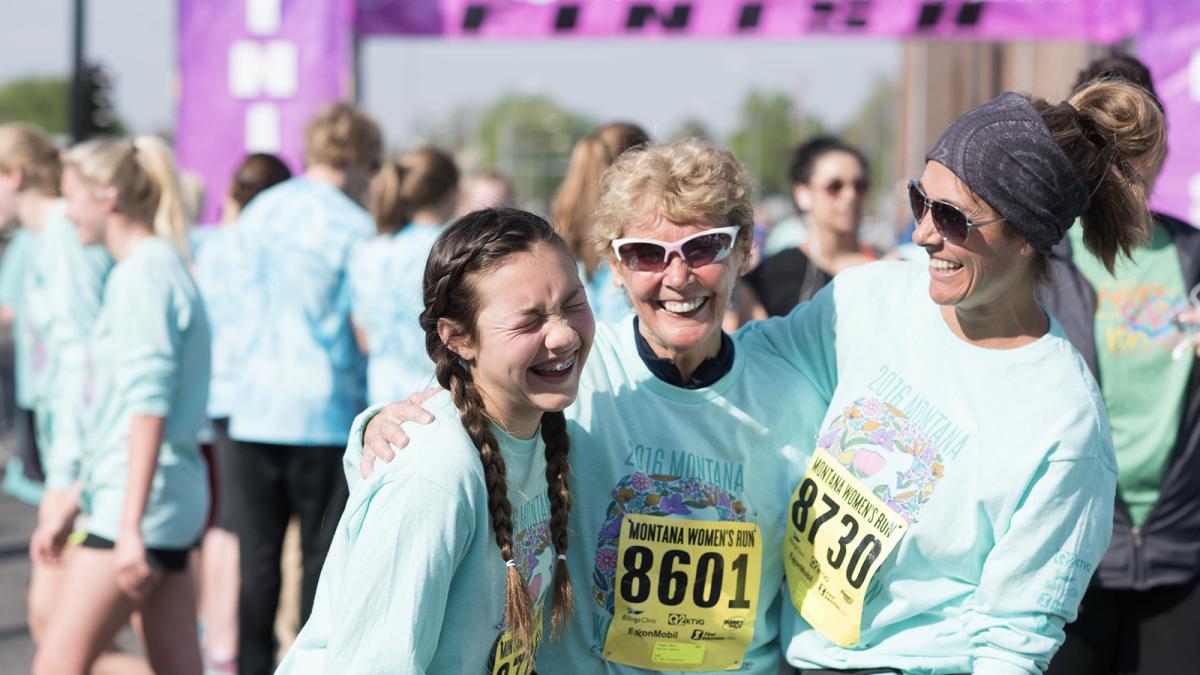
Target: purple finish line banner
[
  {"x": 1170, "y": 47},
  {"x": 251, "y": 74},
  {"x": 1095, "y": 20}
]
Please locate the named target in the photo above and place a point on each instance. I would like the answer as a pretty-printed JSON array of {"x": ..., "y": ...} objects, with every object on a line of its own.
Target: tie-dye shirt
[
  {"x": 220, "y": 274},
  {"x": 386, "y": 274},
  {"x": 302, "y": 375},
  {"x": 63, "y": 294},
  {"x": 1000, "y": 461},
  {"x": 414, "y": 582},
  {"x": 149, "y": 355}
]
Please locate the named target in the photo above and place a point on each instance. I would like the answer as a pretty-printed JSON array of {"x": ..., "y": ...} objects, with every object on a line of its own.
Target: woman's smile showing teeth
[
  {"x": 682, "y": 306},
  {"x": 558, "y": 370},
  {"x": 939, "y": 265}
]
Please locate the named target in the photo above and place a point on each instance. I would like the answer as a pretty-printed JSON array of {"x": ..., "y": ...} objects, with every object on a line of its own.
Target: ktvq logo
[{"x": 683, "y": 620}]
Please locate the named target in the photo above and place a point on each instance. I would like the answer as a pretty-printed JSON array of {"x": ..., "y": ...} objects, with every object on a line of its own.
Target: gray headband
[{"x": 1005, "y": 154}]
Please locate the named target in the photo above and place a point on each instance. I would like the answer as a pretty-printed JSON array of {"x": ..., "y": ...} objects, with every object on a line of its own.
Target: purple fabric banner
[
  {"x": 1170, "y": 46},
  {"x": 1095, "y": 20},
  {"x": 251, "y": 74}
]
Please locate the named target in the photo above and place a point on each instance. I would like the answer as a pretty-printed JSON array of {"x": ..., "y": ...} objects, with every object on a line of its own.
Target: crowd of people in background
[{"x": 479, "y": 421}]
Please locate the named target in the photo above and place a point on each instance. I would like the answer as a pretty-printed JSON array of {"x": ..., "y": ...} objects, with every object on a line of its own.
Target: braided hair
[{"x": 477, "y": 243}]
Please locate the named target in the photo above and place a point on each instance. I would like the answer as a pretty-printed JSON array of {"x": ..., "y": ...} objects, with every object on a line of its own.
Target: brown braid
[
  {"x": 476, "y": 243},
  {"x": 554, "y": 433}
]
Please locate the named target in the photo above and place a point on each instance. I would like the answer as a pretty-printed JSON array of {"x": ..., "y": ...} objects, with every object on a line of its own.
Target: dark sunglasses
[
  {"x": 834, "y": 187},
  {"x": 950, "y": 222},
  {"x": 698, "y": 250}
]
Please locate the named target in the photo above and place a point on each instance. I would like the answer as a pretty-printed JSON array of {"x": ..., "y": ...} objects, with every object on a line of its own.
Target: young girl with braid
[{"x": 414, "y": 582}]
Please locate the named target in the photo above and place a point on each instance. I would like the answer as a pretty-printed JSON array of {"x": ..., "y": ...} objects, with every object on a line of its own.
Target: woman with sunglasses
[
  {"x": 682, "y": 466},
  {"x": 974, "y": 439},
  {"x": 830, "y": 182}
]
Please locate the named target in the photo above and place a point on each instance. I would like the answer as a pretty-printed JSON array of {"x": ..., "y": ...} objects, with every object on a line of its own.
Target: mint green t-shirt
[
  {"x": 999, "y": 460},
  {"x": 149, "y": 355},
  {"x": 1142, "y": 385},
  {"x": 414, "y": 582}
]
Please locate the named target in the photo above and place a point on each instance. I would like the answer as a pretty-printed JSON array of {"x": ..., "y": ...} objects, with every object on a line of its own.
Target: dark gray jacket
[{"x": 1166, "y": 548}]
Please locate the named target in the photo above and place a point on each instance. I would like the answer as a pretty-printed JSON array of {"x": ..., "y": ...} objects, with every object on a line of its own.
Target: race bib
[
  {"x": 507, "y": 659},
  {"x": 838, "y": 536},
  {"x": 686, "y": 593}
]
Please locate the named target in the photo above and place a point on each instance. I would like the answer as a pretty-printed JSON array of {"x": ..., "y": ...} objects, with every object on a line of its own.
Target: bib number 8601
[
  {"x": 705, "y": 580},
  {"x": 806, "y": 519}
]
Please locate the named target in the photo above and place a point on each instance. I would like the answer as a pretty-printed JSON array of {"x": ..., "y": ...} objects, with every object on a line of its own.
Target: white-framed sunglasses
[{"x": 700, "y": 249}]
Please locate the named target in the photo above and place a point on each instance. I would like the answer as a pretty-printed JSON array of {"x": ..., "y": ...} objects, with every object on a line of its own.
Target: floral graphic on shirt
[
  {"x": 1139, "y": 318},
  {"x": 654, "y": 495},
  {"x": 885, "y": 450},
  {"x": 528, "y": 547}
]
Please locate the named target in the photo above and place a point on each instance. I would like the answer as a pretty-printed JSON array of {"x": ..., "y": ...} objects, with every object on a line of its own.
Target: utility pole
[{"x": 77, "y": 75}]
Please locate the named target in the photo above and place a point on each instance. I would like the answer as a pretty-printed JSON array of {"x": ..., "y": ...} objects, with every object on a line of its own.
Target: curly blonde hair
[{"x": 684, "y": 181}]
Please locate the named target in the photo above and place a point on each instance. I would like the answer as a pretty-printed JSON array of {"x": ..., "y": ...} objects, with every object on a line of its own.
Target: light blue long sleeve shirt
[
  {"x": 414, "y": 582},
  {"x": 149, "y": 356},
  {"x": 302, "y": 375},
  {"x": 18, "y": 259},
  {"x": 64, "y": 292},
  {"x": 386, "y": 275},
  {"x": 1001, "y": 461}
]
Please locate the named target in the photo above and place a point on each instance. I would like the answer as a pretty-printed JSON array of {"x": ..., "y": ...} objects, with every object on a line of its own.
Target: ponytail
[
  {"x": 390, "y": 212},
  {"x": 143, "y": 174},
  {"x": 158, "y": 163},
  {"x": 1115, "y": 134}
]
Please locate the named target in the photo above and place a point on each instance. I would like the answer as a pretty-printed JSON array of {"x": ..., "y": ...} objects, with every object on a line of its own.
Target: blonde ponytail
[
  {"x": 170, "y": 218},
  {"x": 142, "y": 172}
]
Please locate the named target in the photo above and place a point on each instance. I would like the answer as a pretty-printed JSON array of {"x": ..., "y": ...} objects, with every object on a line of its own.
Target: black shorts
[
  {"x": 161, "y": 559},
  {"x": 25, "y": 439}
]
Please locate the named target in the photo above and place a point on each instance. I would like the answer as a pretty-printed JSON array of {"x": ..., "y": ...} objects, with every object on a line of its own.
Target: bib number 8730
[
  {"x": 676, "y": 576},
  {"x": 806, "y": 519}
]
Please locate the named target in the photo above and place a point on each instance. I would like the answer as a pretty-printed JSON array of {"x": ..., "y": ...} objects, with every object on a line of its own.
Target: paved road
[{"x": 16, "y": 524}]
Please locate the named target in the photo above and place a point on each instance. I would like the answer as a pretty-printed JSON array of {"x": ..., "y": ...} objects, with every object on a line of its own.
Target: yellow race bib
[
  {"x": 507, "y": 659},
  {"x": 686, "y": 593},
  {"x": 839, "y": 534}
]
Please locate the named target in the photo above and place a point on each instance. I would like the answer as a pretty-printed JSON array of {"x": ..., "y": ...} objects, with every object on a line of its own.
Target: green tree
[
  {"x": 873, "y": 130},
  {"x": 529, "y": 139},
  {"x": 42, "y": 101},
  {"x": 691, "y": 128},
  {"x": 768, "y": 128}
]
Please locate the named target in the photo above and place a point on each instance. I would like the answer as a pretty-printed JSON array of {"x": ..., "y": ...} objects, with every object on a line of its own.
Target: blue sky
[{"x": 655, "y": 83}]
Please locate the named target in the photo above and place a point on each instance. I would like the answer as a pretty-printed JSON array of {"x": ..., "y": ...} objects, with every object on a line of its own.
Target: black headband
[{"x": 1005, "y": 154}]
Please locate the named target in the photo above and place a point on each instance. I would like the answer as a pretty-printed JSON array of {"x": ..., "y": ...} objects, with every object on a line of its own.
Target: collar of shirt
[{"x": 709, "y": 371}]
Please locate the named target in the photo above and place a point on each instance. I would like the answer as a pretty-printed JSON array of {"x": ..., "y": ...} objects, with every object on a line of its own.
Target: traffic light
[{"x": 95, "y": 103}]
